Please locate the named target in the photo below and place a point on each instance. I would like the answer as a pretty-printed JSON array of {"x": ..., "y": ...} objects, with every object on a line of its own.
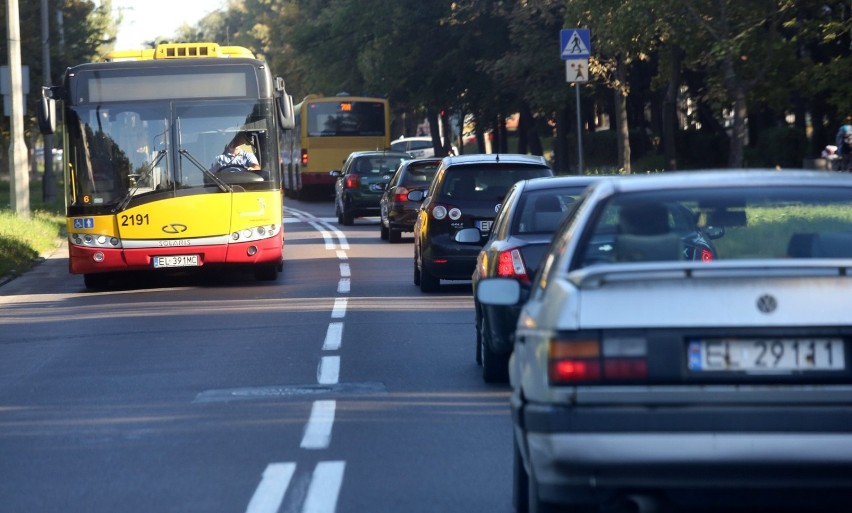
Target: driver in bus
[{"x": 236, "y": 155}]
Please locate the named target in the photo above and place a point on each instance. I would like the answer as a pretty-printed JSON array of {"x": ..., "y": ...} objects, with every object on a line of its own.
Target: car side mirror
[
  {"x": 416, "y": 196},
  {"x": 335, "y": 173},
  {"x": 498, "y": 292}
]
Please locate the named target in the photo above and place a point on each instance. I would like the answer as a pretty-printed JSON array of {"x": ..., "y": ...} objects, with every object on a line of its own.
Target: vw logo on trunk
[
  {"x": 174, "y": 228},
  {"x": 766, "y": 304}
]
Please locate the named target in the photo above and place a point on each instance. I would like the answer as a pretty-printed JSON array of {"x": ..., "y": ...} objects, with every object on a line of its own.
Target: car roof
[
  {"x": 376, "y": 153},
  {"x": 425, "y": 160},
  {"x": 417, "y": 138},
  {"x": 493, "y": 158},
  {"x": 549, "y": 182},
  {"x": 721, "y": 178}
]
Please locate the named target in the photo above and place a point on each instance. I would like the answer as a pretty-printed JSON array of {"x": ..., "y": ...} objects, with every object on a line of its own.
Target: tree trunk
[
  {"x": 434, "y": 131},
  {"x": 738, "y": 129},
  {"x": 670, "y": 121},
  {"x": 533, "y": 140},
  {"x": 560, "y": 142},
  {"x": 622, "y": 128}
]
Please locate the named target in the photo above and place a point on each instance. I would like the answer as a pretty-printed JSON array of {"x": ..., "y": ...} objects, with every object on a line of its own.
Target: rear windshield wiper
[{"x": 146, "y": 173}]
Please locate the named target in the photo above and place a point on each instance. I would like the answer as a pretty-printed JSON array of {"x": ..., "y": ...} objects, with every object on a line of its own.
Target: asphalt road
[{"x": 338, "y": 388}]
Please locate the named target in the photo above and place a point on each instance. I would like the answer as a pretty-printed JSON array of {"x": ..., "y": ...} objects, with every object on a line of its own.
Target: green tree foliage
[{"x": 86, "y": 30}]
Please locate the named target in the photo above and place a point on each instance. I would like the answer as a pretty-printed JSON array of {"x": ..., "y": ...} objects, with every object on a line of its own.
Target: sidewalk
[{"x": 50, "y": 263}]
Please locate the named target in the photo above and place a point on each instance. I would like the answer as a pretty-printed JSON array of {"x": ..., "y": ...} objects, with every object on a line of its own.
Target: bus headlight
[
  {"x": 94, "y": 241},
  {"x": 256, "y": 233}
]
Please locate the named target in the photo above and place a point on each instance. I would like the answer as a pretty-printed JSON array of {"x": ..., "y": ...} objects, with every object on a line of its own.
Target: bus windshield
[
  {"x": 122, "y": 150},
  {"x": 346, "y": 118}
]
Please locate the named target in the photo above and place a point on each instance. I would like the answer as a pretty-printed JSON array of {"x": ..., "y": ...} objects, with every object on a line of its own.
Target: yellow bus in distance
[{"x": 328, "y": 129}]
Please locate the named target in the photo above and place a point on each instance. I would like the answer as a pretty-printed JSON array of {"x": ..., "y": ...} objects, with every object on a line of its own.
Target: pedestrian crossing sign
[{"x": 575, "y": 43}]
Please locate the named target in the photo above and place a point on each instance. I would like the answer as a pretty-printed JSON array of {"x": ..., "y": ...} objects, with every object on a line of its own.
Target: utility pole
[
  {"x": 19, "y": 178},
  {"x": 48, "y": 184}
]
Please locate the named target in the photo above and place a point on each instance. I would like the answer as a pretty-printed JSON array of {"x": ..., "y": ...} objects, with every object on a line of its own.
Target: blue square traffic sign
[{"x": 574, "y": 43}]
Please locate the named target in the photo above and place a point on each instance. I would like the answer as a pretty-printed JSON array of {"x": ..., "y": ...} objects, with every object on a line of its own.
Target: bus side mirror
[
  {"x": 284, "y": 106},
  {"x": 46, "y": 112}
]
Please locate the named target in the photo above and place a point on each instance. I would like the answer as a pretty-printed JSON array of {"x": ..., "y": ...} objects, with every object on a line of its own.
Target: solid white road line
[
  {"x": 333, "y": 336},
  {"x": 270, "y": 492},
  {"x": 325, "y": 487},
  {"x": 318, "y": 430},
  {"x": 339, "y": 309},
  {"x": 328, "y": 372}
]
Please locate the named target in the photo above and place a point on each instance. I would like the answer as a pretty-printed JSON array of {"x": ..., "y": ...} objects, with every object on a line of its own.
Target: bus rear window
[{"x": 346, "y": 118}]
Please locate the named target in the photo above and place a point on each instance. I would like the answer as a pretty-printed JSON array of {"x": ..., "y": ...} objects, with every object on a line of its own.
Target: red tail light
[
  {"x": 304, "y": 157},
  {"x": 510, "y": 264},
  {"x": 352, "y": 181},
  {"x": 706, "y": 255},
  {"x": 401, "y": 194},
  {"x": 573, "y": 361}
]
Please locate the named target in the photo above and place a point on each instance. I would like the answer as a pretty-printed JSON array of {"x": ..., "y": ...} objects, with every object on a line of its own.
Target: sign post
[{"x": 575, "y": 48}]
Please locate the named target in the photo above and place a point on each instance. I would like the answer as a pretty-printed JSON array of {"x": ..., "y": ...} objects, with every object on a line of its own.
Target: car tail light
[
  {"x": 401, "y": 194},
  {"x": 304, "y": 157},
  {"x": 705, "y": 255},
  {"x": 352, "y": 181},
  {"x": 584, "y": 360},
  {"x": 439, "y": 212},
  {"x": 510, "y": 264}
]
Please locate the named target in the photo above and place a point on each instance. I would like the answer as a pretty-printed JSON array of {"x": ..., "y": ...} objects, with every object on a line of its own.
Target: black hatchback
[{"x": 455, "y": 217}]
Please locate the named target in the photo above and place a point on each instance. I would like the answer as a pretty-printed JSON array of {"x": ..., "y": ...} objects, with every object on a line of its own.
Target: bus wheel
[
  {"x": 96, "y": 281},
  {"x": 267, "y": 272}
]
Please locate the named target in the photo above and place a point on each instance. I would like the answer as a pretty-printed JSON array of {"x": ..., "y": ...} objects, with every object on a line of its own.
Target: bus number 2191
[{"x": 134, "y": 220}]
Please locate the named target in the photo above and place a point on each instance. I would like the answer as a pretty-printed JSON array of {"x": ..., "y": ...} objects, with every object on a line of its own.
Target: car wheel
[
  {"x": 383, "y": 231},
  {"x": 495, "y": 366},
  {"x": 346, "y": 217},
  {"x": 416, "y": 273},
  {"x": 428, "y": 281},
  {"x": 394, "y": 235},
  {"x": 478, "y": 326},
  {"x": 520, "y": 481}
]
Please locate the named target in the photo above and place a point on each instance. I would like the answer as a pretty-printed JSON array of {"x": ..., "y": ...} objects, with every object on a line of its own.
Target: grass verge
[{"x": 24, "y": 239}]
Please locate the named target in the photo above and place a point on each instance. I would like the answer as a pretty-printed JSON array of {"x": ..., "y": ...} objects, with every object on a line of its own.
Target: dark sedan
[
  {"x": 398, "y": 213},
  {"x": 519, "y": 237},
  {"x": 358, "y": 187}
]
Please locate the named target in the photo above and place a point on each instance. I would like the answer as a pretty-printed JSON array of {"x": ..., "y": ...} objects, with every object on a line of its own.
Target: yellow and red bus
[
  {"x": 142, "y": 132},
  {"x": 328, "y": 130}
]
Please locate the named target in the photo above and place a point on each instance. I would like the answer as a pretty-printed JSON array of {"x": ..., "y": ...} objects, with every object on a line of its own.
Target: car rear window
[
  {"x": 419, "y": 174},
  {"x": 486, "y": 182},
  {"x": 541, "y": 211},
  {"x": 722, "y": 224},
  {"x": 377, "y": 165}
]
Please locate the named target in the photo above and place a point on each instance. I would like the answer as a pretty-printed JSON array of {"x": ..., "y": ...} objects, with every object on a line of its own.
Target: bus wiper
[
  {"x": 146, "y": 173},
  {"x": 222, "y": 185}
]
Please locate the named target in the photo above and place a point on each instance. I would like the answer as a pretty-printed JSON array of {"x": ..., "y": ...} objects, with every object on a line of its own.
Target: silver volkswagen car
[{"x": 687, "y": 346}]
